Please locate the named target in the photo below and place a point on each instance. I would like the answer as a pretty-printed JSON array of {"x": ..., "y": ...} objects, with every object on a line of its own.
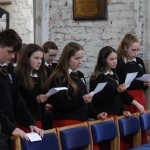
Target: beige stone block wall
[
  {"x": 124, "y": 16},
  {"x": 22, "y": 19}
]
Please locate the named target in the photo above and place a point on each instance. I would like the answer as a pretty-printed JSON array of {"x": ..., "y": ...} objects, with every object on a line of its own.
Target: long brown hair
[
  {"x": 63, "y": 66},
  {"x": 101, "y": 65},
  {"x": 15, "y": 59},
  {"x": 49, "y": 45},
  {"x": 127, "y": 40},
  {"x": 23, "y": 69}
]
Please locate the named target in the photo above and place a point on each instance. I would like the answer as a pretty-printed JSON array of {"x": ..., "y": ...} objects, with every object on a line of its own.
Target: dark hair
[
  {"x": 10, "y": 38},
  {"x": 49, "y": 45},
  {"x": 23, "y": 69},
  {"x": 23, "y": 46},
  {"x": 14, "y": 60},
  {"x": 101, "y": 64},
  {"x": 63, "y": 66}
]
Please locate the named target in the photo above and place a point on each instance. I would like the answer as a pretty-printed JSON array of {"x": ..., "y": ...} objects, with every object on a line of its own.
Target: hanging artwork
[{"x": 89, "y": 9}]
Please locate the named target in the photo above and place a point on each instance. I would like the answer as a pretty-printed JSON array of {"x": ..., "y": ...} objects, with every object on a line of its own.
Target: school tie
[
  {"x": 3, "y": 70},
  {"x": 110, "y": 75},
  {"x": 34, "y": 79},
  {"x": 50, "y": 67},
  {"x": 74, "y": 74},
  {"x": 131, "y": 62},
  {"x": 113, "y": 78}
]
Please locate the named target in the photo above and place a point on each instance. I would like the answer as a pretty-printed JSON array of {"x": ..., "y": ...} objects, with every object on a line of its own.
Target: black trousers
[{"x": 5, "y": 142}]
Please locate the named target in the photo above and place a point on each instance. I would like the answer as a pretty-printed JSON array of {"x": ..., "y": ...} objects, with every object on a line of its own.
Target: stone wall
[
  {"x": 22, "y": 19},
  {"x": 124, "y": 16}
]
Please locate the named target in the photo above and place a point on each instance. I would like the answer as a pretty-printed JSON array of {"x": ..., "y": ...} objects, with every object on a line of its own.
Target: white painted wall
[{"x": 22, "y": 19}]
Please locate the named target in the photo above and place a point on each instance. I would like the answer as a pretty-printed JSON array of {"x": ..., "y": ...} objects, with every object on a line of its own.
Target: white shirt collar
[
  {"x": 70, "y": 70},
  {"x": 14, "y": 64},
  {"x": 4, "y": 64},
  {"x": 48, "y": 64},
  {"x": 125, "y": 60},
  {"x": 34, "y": 75},
  {"x": 111, "y": 72}
]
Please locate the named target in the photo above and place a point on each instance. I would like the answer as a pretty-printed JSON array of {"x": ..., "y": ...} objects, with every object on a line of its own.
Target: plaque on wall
[{"x": 89, "y": 9}]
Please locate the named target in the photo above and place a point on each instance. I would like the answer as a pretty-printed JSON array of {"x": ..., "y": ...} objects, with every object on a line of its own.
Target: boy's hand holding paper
[{"x": 33, "y": 136}]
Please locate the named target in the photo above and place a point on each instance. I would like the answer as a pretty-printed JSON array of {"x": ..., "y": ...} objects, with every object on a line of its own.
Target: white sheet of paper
[
  {"x": 129, "y": 78},
  {"x": 55, "y": 90},
  {"x": 33, "y": 136},
  {"x": 98, "y": 88},
  {"x": 145, "y": 77}
]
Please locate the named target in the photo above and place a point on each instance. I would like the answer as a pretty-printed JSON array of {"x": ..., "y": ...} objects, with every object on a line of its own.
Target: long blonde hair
[
  {"x": 61, "y": 71},
  {"x": 127, "y": 40}
]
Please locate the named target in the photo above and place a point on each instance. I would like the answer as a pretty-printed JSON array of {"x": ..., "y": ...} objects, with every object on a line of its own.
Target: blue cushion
[
  {"x": 145, "y": 121},
  {"x": 49, "y": 141},
  {"x": 142, "y": 147},
  {"x": 128, "y": 126},
  {"x": 146, "y": 145},
  {"x": 103, "y": 131},
  {"x": 75, "y": 138}
]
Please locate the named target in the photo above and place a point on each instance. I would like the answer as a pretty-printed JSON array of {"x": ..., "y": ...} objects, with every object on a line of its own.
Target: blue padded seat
[
  {"x": 129, "y": 126},
  {"x": 49, "y": 141},
  {"x": 144, "y": 121},
  {"x": 103, "y": 131},
  {"x": 75, "y": 137},
  {"x": 146, "y": 145},
  {"x": 142, "y": 147}
]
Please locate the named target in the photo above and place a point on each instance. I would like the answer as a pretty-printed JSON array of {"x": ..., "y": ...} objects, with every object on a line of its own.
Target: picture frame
[{"x": 89, "y": 9}]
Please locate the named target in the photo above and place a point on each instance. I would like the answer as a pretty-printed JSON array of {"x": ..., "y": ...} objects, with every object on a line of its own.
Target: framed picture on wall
[{"x": 89, "y": 9}]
